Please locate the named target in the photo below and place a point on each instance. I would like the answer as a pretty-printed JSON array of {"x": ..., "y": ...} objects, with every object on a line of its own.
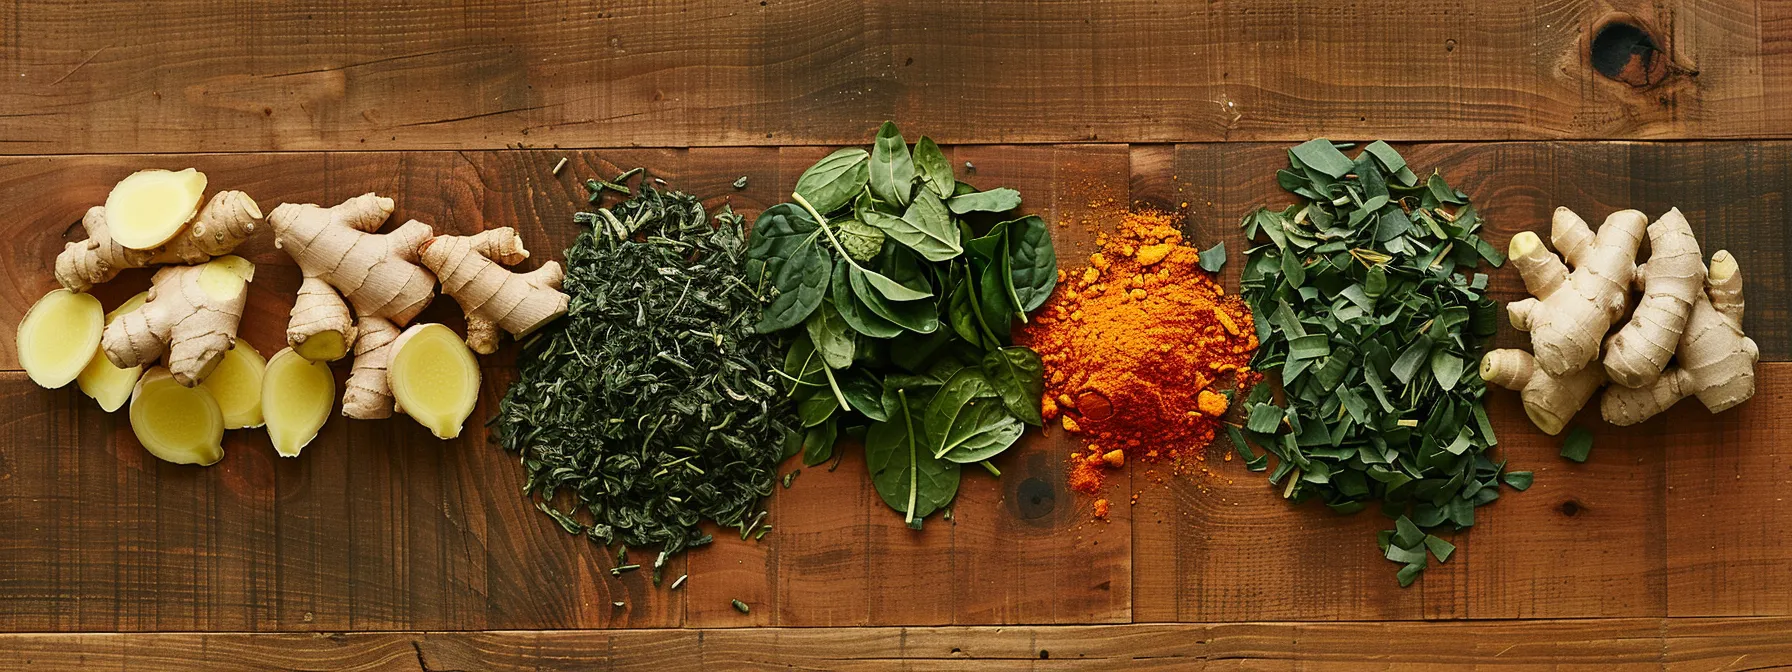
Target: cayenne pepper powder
[{"x": 1141, "y": 349}]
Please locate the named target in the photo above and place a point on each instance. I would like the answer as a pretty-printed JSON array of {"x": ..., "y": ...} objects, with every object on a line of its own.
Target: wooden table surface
[{"x": 382, "y": 548}]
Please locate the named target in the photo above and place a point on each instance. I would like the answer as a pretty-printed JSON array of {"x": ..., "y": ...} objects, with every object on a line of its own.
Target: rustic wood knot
[
  {"x": 1571, "y": 508},
  {"x": 1623, "y": 50},
  {"x": 1036, "y": 498}
]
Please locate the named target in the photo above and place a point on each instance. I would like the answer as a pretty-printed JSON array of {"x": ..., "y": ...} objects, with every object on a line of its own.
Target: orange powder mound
[{"x": 1139, "y": 347}]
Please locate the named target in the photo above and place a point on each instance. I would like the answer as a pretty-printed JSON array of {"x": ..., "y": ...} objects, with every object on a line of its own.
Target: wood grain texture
[
  {"x": 380, "y": 527},
  {"x": 197, "y": 76},
  {"x": 1556, "y": 646}
]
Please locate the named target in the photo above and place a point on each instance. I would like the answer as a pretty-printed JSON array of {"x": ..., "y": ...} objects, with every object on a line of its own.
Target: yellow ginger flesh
[
  {"x": 176, "y": 423},
  {"x": 434, "y": 378},
  {"x": 150, "y": 207},
  {"x": 296, "y": 397},
  {"x": 106, "y": 383},
  {"x": 58, "y": 336}
]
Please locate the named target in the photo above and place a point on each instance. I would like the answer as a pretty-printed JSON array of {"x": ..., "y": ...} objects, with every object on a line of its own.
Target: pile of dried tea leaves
[{"x": 654, "y": 403}]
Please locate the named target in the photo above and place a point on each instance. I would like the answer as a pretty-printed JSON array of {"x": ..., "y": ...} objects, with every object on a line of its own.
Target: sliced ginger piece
[
  {"x": 236, "y": 386},
  {"x": 58, "y": 337},
  {"x": 150, "y": 207},
  {"x": 296, "y": 397},
  {"x": 104, "y": 381},
  {"x": 176, "y": 423},
  {"x": 434, "y": 378}
]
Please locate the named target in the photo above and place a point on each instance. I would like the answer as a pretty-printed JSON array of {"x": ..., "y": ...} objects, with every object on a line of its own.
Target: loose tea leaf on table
[
  {"x": 1370, "y": 307},
  {"x": 654, "y": 404}
]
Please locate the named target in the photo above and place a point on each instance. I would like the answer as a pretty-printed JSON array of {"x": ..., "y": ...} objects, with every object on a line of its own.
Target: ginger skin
[
  {"x": 1572, "y": 311},
  {"x": 377, "y": 273},
  {"x": 369, "y": 396},
  {"x": 227, "y": 220},
  {"x": 1671, "y": 281},
  {"x": 493, "y": 296},
  {"x": 1549, "y": 401},
  {"x": 191, "y": 313},
  {"x": 1714, "y": 360}
]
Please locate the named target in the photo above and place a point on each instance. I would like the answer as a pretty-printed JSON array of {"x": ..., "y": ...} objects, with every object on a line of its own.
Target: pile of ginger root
[
  {"x": 1683, "y": 339},
  {"x": 173, "y": 355}
]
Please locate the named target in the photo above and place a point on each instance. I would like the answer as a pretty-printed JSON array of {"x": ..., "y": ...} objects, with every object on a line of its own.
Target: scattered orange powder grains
[{"x": 1138, "y": 347}]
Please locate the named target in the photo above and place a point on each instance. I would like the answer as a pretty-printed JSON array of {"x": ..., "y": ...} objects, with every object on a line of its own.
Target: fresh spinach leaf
[
  {"x": 924, "y": 227},
  {"x": 865, "y": 392},
  {"x": 905, "y": 474},
  {"x": 892, "y": 169},
  {"x": 1000, "y": 199},
  {"x": 815, "y": 405},
  {"x": 818, "y": 442},
  {"x": 1032, "y": 263},
  {"x": 935, "y": 171},
  {"x": 916, "y": 316},
  {"x": 833, "y": 181},
  {"x": 831, "y": 336},
  {"x": 854, "y": 312},
  {"x": 1018, "y": 375},
  {"x": 783, "y": 256}
]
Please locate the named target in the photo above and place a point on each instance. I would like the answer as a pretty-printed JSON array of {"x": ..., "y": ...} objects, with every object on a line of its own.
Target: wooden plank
[
  {"x": 419, "y": 75},
  {"x": 378, "y": 526},
  {"x": 1595, "y": 644},
  {"x": 1729, "y": 486},
  {"x": 1728, "y": 644}
]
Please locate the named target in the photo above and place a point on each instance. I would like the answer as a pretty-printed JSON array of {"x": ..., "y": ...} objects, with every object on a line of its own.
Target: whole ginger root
[
  {"x": 228, "y": 219},
  {"x": 379, "y": 274},
  {"x": 1714, "y": 361},
  {"x": 492, "y": 296},
  {"x": 191, "y": 314},
  {"x": 1572, "y": 311}
]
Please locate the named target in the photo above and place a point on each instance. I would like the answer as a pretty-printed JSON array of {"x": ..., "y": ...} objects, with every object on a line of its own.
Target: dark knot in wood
[
  {"x": 1035, "y": 498},
  {"x": 1623, "y": 50}
]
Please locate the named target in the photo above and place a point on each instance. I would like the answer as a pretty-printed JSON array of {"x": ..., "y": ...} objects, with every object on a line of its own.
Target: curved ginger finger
[
  {"x": 1573, "y": 312},
  {"x": 1549, "y": 401},
  {"x": 1672, "y": 280},
  {"x": 492, "y": 296},
  {"x": 1714, "y": 360}
]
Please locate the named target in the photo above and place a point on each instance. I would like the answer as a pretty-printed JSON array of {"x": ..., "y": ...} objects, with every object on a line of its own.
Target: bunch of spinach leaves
[
  {"x": 1364, "y": 307},
  {"x": 653, "y": 402},
  {"x": 898, "y": 285}
]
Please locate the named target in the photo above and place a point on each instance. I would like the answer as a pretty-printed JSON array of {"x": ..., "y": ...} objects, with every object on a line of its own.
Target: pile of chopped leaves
[
  {"x": 654, "y": 403},
  {"x": 1369, "y": 306}
]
